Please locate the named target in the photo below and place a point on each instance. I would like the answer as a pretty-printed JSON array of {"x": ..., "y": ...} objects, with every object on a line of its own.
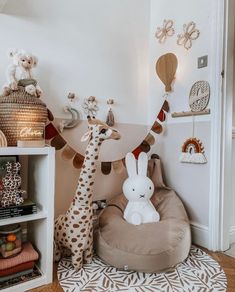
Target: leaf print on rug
[{"x": 199, "y": 272}]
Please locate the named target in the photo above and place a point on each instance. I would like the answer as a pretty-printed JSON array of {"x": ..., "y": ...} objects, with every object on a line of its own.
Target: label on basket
[{"x": 30, "y": 134}]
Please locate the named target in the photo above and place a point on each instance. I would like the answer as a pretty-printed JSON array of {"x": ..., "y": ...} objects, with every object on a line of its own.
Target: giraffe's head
[{"x": 100, "y": 130}]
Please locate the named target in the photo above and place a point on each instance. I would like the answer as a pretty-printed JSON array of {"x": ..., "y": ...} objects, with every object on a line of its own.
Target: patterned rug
[{"x": 199, "y": 272}]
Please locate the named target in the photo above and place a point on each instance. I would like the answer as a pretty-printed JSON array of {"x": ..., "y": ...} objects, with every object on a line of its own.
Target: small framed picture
[{"x": 3, "y": 162}]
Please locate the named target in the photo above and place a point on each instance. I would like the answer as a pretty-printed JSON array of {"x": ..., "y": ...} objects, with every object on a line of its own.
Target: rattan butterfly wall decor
[
  {"x": 167, "y": 30},
  {"x": 190, "y": 33}
]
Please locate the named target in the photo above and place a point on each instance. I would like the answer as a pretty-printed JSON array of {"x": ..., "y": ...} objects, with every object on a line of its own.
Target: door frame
[{"x": 221, "y": 149}]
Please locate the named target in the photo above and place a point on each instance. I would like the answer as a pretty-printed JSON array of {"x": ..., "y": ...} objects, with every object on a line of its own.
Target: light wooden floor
[{"x": 226, "y": 262}]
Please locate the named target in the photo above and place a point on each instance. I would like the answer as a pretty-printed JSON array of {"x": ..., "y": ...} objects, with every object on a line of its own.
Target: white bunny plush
[{"x": 138, "y": 189}]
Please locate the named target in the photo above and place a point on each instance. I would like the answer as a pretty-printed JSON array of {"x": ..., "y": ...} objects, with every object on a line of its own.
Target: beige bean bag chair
[{"x": 151, "y": 247}]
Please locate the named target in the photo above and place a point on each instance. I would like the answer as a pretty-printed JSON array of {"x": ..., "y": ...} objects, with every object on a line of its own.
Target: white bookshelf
[{"x": 38, "y": 170}]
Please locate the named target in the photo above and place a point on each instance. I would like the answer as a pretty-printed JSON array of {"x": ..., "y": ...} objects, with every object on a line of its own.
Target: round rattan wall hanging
[{"x": 199, "y": 96}]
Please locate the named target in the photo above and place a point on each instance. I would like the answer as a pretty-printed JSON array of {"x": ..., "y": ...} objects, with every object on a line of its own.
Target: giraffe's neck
[{"x": 84, "y": 192}]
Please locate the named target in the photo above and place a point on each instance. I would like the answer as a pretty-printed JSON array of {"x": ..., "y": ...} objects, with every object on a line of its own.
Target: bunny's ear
[
  {"x": 142, "y": 164},
  {"x": 131, "y": 164}
]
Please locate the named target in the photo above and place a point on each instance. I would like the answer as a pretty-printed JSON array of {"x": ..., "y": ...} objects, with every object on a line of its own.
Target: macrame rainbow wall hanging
[
  {"x": 166, "y": 67},
  {"x": 193, "y": 151}
]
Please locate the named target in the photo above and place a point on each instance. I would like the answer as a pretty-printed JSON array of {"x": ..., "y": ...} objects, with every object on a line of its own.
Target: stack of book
[{"x": 27, "y": 208}]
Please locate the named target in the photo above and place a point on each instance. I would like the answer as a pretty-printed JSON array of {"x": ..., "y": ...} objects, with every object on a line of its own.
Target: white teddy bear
[
  {"x": 138, "y": 189},
  {"x": 21, "y": 68}
]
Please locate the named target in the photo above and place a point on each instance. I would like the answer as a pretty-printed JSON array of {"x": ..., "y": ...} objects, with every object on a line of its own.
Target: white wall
[
  {"x": 232, "y": 239},
  {"x": 76, "y": 54},
  {"x": 88, "y": 47},
  {"x": 191, "y": 182}
]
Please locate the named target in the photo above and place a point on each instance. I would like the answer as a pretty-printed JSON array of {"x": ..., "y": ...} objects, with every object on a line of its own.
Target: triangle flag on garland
[
  {"x": 106, "y": 167},
  {"x": 68, "y": 153},
  {"x": 145, "y": 147},
  {"x": 58, "y": 142},
  {"x": 78, "y": 161},
  {"x": 165, "y": 106},
  {"x": 157, "y": 128},
  {"x": 150, "y": 139},
  {"x": 50, "y": 131},
  {"x": 118, "y": 166}
]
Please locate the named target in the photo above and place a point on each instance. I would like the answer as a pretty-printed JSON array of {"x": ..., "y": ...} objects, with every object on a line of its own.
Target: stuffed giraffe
[{"x": 74, "y": 230}]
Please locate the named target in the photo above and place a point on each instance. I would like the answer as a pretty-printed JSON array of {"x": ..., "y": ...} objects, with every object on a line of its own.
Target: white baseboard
[
  {"x": 200, "y": 234},
  {"x": 232, "y": 235}
]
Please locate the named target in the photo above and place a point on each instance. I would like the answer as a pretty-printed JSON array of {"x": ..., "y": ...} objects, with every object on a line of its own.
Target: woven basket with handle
[{"x": 20, "y": 108}]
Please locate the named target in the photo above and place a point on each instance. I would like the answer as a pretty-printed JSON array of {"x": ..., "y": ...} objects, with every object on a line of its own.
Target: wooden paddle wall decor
[{"x": 166, "y": 67}]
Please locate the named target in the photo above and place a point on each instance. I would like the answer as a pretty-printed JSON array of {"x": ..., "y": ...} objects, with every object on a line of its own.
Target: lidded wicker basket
[{"x": 21, "y": 108}]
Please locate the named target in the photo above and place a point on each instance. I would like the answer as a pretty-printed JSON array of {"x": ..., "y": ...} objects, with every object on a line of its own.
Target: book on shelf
[
  {"x": 20, "y": 278},
  {"x": 27, "y": 208}
]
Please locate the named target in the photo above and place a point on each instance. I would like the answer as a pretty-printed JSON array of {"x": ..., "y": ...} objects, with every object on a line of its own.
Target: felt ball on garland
[{"x": 193, "y": 152}]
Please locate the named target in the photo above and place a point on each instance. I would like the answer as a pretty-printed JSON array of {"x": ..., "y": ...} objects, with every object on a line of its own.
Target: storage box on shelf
[{"x": 38, "y": 175}]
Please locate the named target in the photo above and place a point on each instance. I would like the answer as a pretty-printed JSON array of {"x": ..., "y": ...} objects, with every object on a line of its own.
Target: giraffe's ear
[{"x": 86, "y": 136}]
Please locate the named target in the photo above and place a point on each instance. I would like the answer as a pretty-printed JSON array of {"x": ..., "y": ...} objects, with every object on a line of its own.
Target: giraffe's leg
[
  {"x": 57, "y": 252},
  {"x": 88, "y": 254},
  {"x": 77, "y": 259}
]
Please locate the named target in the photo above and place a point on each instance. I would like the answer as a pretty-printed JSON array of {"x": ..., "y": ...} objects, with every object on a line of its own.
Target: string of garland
[
  {"x": 68, "y": 153},
  {"x": 166, "y": 67}
]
